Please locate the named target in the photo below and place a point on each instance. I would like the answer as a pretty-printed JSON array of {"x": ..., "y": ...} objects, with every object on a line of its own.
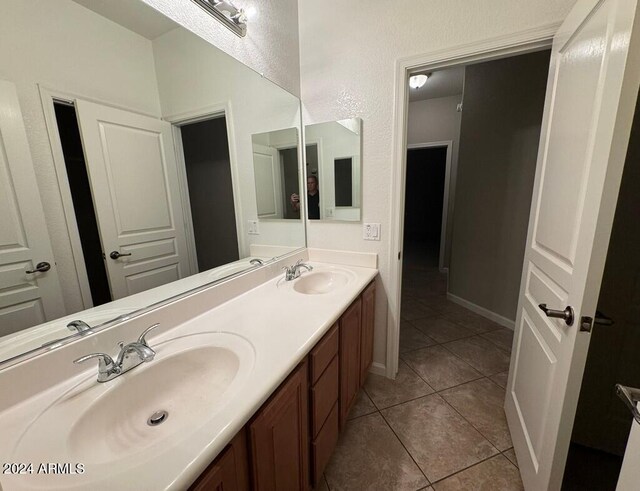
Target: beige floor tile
[
  {"x": 481, "y": 403},
  {"x": 363, "y": 404},
  {"x": 439, "y": 368},
  {"x": 370, "y": 457},
  {"x": 502, "y": 338},
  {"x": 472, "y": 321},
  {"x": 435, "y": 302},
  {"x": 495, "y": 474},
  {"x": 412, "y": 309},
  {"x": 481, "y": 354},
  {"x": 438, "y": 438},
  {"x": 413, "y": 339},
  {"x": 511, "y": 455},
  {"x": 385, "y": 392},
  {"x": 500, "y": 379},
  {"x": 441, "y": 329}
]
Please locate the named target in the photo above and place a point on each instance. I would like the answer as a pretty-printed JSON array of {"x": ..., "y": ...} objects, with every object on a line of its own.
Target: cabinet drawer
[
  {"x": 324, "y": 395},
  {"x": 324, "y": 444},
  {"x": 323, "y": 353}
]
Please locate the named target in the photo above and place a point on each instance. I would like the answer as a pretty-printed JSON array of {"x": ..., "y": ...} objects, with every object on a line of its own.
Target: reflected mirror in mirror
[
  {"x": 126, "y": 166},
  {"x": 276, "y": 174},
  {"x": 334, "y": 170}
]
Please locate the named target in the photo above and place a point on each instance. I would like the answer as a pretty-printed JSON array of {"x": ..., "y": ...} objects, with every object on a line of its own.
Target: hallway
[{"x": 440, "y": 425}]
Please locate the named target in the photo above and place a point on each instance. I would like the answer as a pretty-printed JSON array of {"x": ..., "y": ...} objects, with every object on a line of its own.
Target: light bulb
[{"x": 417, "y": 81}]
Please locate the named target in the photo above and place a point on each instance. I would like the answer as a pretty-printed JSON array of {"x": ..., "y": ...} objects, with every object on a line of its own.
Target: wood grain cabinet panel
[
  {"x": 324, "y": 445},
  {"x": 324, "y": 395},
  {"x": 323, "y": 352},
  {"x": 368, "y": 326},
  {"x": 229, "y": 471},
  {"x": 350, "y": 339},
  {"x": 279, "y": 437}
]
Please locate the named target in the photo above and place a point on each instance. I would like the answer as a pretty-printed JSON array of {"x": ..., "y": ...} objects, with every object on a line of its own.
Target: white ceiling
[
  {"x": 441, "y": 83},
  {"x": 133, "y": 15}
]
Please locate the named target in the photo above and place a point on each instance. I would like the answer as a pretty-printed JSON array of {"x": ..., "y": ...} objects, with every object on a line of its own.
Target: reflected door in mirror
[{"x": 26, "y": 298}]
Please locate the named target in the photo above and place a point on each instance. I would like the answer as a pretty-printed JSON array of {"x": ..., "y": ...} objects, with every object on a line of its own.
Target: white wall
[
  {"x": 348, "y": 52},
  {"x": 64, "y": 46},
  {"x": 270, "y": 46},
  {"x": 435, "y": 120},
  {"x": 257, "y": 106}
]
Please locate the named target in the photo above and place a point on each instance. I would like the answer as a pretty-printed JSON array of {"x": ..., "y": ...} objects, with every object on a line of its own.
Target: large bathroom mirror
[
  {"x": 126, "y": 166},
  {"x": 334, "y": 170}
]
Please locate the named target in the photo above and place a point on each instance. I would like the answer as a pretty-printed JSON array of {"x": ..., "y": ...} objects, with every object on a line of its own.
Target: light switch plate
[
  {"x": 253, "y": 227},
  {"x": 371, "y": 231}
]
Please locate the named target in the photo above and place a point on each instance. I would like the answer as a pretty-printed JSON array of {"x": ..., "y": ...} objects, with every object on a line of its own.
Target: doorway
[
  {"x": 84, "y": 211},
  {"x": 210, "y": 190},
  {"x": 424, "y": 207}
]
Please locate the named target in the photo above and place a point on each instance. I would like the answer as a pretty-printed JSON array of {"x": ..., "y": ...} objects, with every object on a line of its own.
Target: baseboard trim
[
  {"x": 492, "y": 316},
  {"x": 378, "y": 369}
]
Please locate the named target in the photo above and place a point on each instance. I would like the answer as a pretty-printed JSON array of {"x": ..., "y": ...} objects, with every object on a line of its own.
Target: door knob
[
  {"x": 566, "y": 314},
  {"x": 116, "y": 255},
  {"x": 630, "y": 397},
  {"x": 42, "y": 267}
]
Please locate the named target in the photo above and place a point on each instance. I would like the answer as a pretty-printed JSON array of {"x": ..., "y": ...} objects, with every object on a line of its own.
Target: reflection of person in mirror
[{"x": 313, "y": 199}]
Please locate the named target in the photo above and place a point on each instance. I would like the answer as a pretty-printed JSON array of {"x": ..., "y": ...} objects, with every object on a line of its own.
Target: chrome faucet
[
  {"x": 256, "y": 262},
  {"x": 79, "y": 326},
  {"x": 293, "y": 272},
  {"x": 131, "y": 355}
]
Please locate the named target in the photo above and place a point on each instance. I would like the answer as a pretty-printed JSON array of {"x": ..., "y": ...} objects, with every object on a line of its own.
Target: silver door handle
[
  {"x": 42, "y": 267},
  {"x": 630, "y": 397},
  {"x": 117, "y": 255},
  {"x": 566, "y": 314}
]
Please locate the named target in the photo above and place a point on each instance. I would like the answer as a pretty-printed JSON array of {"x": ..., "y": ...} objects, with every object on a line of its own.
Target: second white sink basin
[
  {"x": 191, "y": 378},
  {"x": 321, "y": 282}
]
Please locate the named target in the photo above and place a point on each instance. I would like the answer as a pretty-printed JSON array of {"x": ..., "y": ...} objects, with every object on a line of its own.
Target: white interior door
[
  {"x": 26, "y": 299},
  {"x": 134, "y": 182},
  {"x": 591, "y": 96},
  {"x": 268, "y": 179}
]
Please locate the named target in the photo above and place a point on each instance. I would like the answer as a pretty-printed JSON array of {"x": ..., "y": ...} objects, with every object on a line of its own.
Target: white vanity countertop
[{"x": 281, "y": 325}]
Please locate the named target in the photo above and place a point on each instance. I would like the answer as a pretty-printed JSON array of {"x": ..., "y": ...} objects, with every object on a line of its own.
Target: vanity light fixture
[
  {"x": 417, "y": 81},
  {"x": 227, "y": 13}
]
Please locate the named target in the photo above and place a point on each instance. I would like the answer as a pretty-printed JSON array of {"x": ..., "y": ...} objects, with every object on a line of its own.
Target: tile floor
[{"x": 440, "y": 425}]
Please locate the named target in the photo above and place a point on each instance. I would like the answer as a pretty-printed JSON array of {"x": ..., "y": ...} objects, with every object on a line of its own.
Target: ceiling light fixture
[
  {"x": 227, "y": 13},
  {"x": 417, "y": 81}
]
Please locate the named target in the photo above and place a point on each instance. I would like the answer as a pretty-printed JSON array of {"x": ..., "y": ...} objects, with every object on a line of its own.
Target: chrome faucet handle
[
  {"x": 142, "y": 339},
  {"x": 105, "y": 359}
]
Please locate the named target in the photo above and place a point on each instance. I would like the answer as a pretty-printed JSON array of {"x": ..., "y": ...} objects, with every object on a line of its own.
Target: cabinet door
[
  {"x": 279, "y": 436},
  {"x": 368, "y": 325},
  {"x": 350, "y": 328},
  {"x": 230, "y": 470}
]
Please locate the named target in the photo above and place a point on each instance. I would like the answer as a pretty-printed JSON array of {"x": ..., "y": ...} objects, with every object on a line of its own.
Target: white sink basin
[
  {"x": 191, "y": 378},
  {"x": 321, "y": 282}
]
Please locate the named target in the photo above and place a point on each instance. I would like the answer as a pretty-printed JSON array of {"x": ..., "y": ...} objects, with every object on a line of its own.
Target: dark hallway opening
[{"x": 424, "y": 194}]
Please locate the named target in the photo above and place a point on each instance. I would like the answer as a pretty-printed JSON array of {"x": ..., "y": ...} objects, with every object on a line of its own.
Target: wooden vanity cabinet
[
  {"x": 279, "y": 437},
  {"x": 325, "y": 390},
  {"x": 289, "y": 441},
  {"x": 350, "y": 341},
  {"x": 229, "y": 471},
  {"x": 368, "y": 326}
]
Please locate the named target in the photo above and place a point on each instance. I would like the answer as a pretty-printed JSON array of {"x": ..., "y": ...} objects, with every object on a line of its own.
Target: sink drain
[{"x": 157, "y": 418}]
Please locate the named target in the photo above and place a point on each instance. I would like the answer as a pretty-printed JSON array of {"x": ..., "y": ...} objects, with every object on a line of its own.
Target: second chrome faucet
[
  {"x": 293, "y": 272},
  {"x": 130, "y": 356}
]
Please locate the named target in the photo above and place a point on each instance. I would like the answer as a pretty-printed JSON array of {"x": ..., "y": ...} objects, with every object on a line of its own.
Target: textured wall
[
  {"x": 270, "y": 46},
  {"x": 347, "y": 55}
]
